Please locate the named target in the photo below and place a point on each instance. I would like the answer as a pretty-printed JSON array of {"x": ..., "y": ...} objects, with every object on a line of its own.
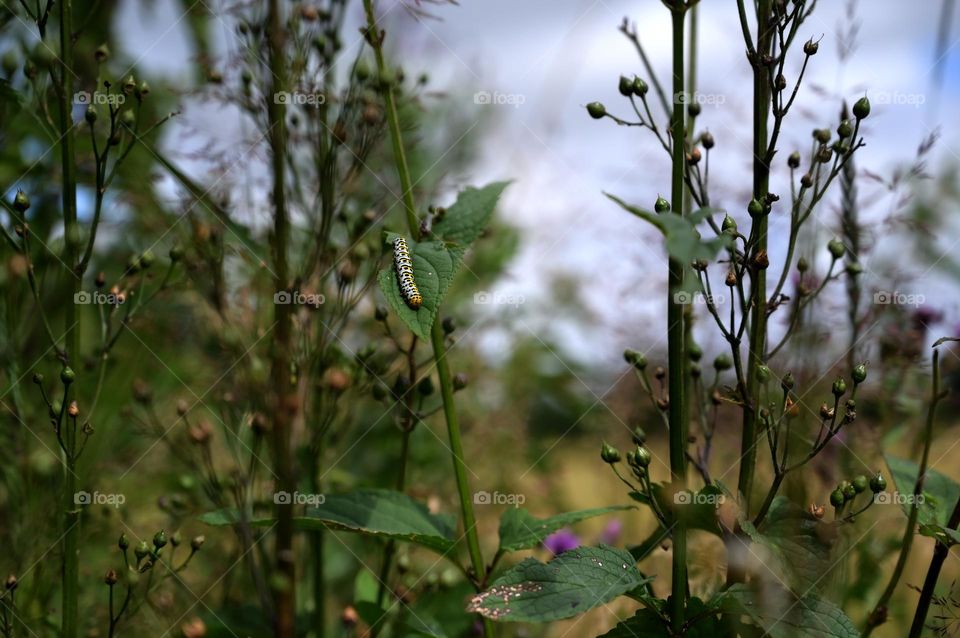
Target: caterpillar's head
[{"x": 415, "y": 301}]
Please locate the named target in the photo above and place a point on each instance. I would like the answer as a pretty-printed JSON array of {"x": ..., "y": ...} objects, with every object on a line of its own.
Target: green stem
[
  {"x": 284, "y": 594},
  {"x": 375, "y": 39},
  {"x": 758, "y": 288},
  {"x": 940, "y": 553},
  {"x": 879, "y": 613},
  {"x": 71, "y": 559},
  {"x": 676, "y": 344}
]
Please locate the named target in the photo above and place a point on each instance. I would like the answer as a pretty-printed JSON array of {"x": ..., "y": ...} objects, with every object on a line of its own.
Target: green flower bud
[
  {"x": 10, "y": 63},
  {"x": 176, "y": 254},
  {"x": 123, "y": 543},
  {"x": 640, "y": 87},
  {"x": 822, "y": 135},
  {"x": 609, "y": 454},
  {"x": 854, "y": 268},
  {"x": 643, "y": 456},
  {"x": 90, "y": 115},
  {"x": 147, "y": 259},
  {"x": 859, "y": 374},
  {"x": 763, "y": 374},
  {"x": 861, "y": 108},
  {"x": 839, "y": 387},
  {"x": 625, "y": 87},
  {"x": 845, "y": 129},
  {"x": 729, "y": 225},
  {"x": 849, "y": 492},
  {"x": 860, "y": 484},
  {"x": 596, "y": 110},
  {"x": 362, "y": 71},
  {"x": 837, "y": 498},
  {"x": 102, "y": 53},
  {"x": 803, "y": 265},
  {"x": 695, "y": 352},
  {"x": 878, "y": 483},
  {"x": 787, "y": 382},
  {"x": 37, "y": 378},
  {"x": 755, "y": 208},
  {"x": 661, "y": 205},
  {"x": 634, "y": 358},
  {"x": 141, "y": 551},
  {"x": 159, "y": 539},
  {"x": 639, "y": 436},
  {"x": 722, "y": 363},
  {"x": 129, "y": 85},
  {"x": 21, "y": 202},
  {"x": 836, "y": 248},
  {"x": 67, "y": 375}
]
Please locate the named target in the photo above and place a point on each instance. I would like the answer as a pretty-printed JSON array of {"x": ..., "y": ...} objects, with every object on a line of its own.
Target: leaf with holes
[
  {"x": 521, "y": 530},
  {"x": 570, "y": 584}
]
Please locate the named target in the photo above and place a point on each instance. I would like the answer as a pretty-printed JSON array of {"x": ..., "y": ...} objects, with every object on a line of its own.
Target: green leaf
[
  {"x": 683, "y": 240},
  {"x": 570, "y": 584},
  {"x": 782, "y": 615},
  {"x": 940, "y": 493},
  {"x": 469, "y": 216},
  {"x": 521, "y": 530},
  {"x": 434, "y": 265},
  {"x": 646, "y": 623},
  {"x": 794, "y": 546},
  {"x": 945, "y": 535},
  {"x": 699, "y": 509},
  {"x": 374, "y": 512}
]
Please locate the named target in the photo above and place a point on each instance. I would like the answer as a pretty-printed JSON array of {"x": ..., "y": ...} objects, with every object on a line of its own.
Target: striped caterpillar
[{"x": 404, "y": 267}]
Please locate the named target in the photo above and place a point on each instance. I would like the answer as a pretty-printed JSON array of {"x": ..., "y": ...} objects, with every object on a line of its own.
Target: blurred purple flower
[
  {"x": 611, "y": 533},
  {"x": 561, "y": 541}
]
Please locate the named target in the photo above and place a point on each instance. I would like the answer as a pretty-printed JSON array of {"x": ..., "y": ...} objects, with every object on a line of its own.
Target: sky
[{"x": 542, "y": 61}]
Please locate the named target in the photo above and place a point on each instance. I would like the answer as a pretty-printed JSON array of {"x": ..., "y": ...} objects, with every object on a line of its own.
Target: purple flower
[
  {"x": 561, "y": 541},
  {"x": 611, "y": 533}
]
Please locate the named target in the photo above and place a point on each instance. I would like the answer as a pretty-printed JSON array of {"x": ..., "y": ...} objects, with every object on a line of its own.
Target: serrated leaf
[
  {"x": 940, "y": 492},
  {"x": 434, "y": 265},
  {"x": 570, "y": 584},
  {"x": 780, "y": 614},
  {"x": 374, "y": 512},
  {"x": 469, "y": 216},
  {"x": 521, "y": 530},
  {"x": 794, "y": 545}
]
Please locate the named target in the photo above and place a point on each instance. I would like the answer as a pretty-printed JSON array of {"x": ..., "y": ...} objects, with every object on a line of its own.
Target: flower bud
[
  {"x": 763, "y": 374},
  {"x": 822, "y": 135},
  {"x": 110, "y": 578},
  {"x": 845, "y": 129},
  {"x": 837, "y": 498},
  {"x": 129, "y": 85},
  {"x": 787, "y": 382},
  {"x": 11, "y": 582},
  {"x": 459, "y": 381},
  {"x": 596, "y": 110},
  {"x": 640, "y": 87},
  {"x": 449, "y": 325},
  {"x": 102, "y": 53},
  {"x": 836, "y": 248},
  {"x": 634, "y": 358},
  {"x": 141, "y": 550},
  {"x": 425, "y": 387},
  {"x": 626, "y": 86},
  {"x": 878, "y": 483},
  {"x": 123, "y": 543},
  {"x": 755, "y": 208},
  {"x": 806, "y": 180},
  {"x": 839, "y": 387},
  {"x": 731, "y": 278},
  {"x": 380, "y": 313},
  {"x": 642, "y": 456},
  {"x": 810, "y": 47},
  {"x": 176, "y": 254},
  {"x": 861, "y": 108},
  {"x": 693, "y": 109},
  {"x": 793, "y": 161},
  {"x": 859, "y": 374},
  {"x": 660, "y": 374},
  {"x": 803, "y": 265},
  {"x": 849, "y": 492},
  {"x": 159, "y": 539},
  {"x": 73, "y": 409},
  {"x": 661, "y": 205},
  {"x": 729, "y": 225},
  {"x": 707, "y": 140},
  {"x": 816, "y": 510},
  {"x": 609, "y": 454},
  {"x": 639, "y": 436},
  {"x": 197, "y": 542},
  {"x": 37, "y": 378},
  {"x": 21, "y": 202},
  {"x": 860, "y": 484},
  {"x": 67, "y": 375},
  {"x": 722, "y": 363}
]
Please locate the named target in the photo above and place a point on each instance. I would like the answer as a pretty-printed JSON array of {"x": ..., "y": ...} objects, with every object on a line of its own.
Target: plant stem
[
  {"x": 71, "y": 559},
  {"x": 284, "y": 594},
  {"x": 375, "y": 39},
  {"x": 758, "y": 287},
  {"x": 879, "y": 613},
  {"x": 676, "y": 343},
  {"x": 940, "y": 553}
]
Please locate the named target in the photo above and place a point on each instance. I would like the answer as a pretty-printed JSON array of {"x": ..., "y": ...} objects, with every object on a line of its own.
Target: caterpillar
[{"x": 404, "y": 267}]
